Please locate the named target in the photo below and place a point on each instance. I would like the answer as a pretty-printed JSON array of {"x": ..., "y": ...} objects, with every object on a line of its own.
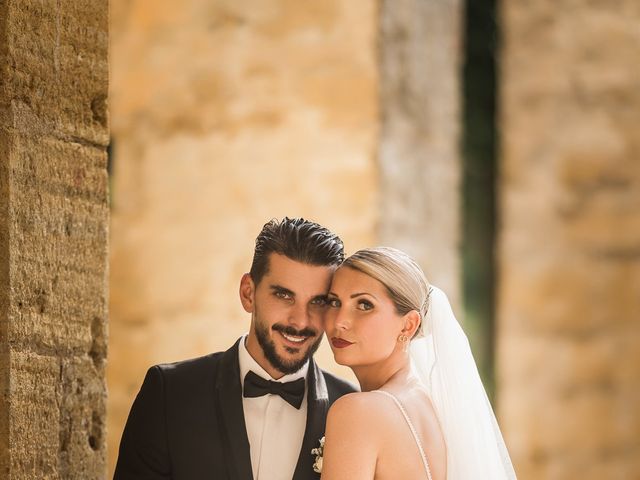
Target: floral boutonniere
[{"x": 317, "y": 465}]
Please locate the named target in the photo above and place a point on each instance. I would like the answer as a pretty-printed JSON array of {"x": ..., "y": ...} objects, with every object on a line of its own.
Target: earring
[{"x": 405, "y": 342}]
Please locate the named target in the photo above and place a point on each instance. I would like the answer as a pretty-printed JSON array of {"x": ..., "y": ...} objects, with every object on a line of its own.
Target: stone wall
[
  {"x": 419, "y": 161},
  {"x": 53, "y": 239},
  {"x": 569, "y": 293},
  {"x": 226, "y": 114}
]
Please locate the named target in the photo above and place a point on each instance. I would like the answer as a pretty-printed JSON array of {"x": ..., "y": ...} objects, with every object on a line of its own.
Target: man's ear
[
  {"x": 247, "y": 293},
  {"x": 411, "y": 323}
]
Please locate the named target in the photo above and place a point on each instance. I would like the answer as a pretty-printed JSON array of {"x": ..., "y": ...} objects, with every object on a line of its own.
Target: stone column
[
  {"x": 53, "y": 238},
  {"x": 419, "y": 162},
  {"x": 569, "y": 295}
]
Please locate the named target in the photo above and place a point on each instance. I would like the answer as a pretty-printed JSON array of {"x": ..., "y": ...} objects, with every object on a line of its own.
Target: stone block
[
  {"x": 57, "y": 410},
  {"x": 50, "y": 43}
]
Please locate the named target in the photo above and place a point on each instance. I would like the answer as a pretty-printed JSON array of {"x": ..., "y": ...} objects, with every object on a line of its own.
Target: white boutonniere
[{"x": 317, "y": 465}]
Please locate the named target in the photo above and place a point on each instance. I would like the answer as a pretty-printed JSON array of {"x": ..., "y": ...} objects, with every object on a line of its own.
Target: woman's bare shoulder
[
  {"x": 354, "y": 436},
  {"x": 362, "y": 414},
  {"x": 357, "y": 405}
]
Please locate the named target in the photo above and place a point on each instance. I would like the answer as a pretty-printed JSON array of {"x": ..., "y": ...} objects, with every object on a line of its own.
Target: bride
[{"x": 422, "y": 411}]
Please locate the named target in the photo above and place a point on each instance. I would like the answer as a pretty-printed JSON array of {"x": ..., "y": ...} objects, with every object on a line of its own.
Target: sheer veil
[{"x": 443, "y": 361}]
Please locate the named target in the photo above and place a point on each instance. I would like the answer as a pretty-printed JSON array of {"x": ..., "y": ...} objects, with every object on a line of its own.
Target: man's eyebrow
[{"x": 281, "y": 289}]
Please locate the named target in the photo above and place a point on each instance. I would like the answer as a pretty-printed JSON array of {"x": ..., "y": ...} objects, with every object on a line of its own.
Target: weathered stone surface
[
  {"x": 58, "y": 407},
  {"x": 569, "y": 297},
  {"x": 224, "y": 115},
  {"x": 53, "y": 237},
  {"x": 48, "y": 44},
  {"x": 5, "y": 370},
  {"x": 418, "y": 154}
]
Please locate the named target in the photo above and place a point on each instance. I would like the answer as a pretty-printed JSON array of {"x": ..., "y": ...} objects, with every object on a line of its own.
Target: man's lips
[
  {"x": 294, "y": 339},
  {"x": 340, "y": 342}
]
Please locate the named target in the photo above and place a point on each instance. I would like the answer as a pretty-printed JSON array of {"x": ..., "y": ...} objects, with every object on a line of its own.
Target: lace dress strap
[{"x": 413, "y": 431}]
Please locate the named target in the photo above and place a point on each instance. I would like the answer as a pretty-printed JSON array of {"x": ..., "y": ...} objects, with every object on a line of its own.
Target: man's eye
[
  {"x": 319, "y": 301},
  {"x": 334, "y": 303},
  {"x": 283, "y": 295},
  {"x": 365, "y": 305}
]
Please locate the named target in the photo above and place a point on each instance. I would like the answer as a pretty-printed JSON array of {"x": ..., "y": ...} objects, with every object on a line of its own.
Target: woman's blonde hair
[{"x": 403, "y": 278}]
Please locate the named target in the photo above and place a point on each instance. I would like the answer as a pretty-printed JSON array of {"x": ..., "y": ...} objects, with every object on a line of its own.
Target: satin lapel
[
  {"x": 231, "y": 416},
  {"x": 317, "y": 407}
]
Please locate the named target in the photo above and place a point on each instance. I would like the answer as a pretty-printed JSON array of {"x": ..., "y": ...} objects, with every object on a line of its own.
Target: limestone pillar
[
  {"x": 420, "y": 167},
  {"x": 53, "y": 238},
  {"x": 569, "y": 295}
]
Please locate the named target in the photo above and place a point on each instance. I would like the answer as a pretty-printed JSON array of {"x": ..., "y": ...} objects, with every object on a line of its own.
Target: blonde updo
[{"x": 403, "y": 278}]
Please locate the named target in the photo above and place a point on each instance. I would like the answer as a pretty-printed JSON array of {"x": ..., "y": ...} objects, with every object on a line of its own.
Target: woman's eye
[{"x": 365, "y": 305}]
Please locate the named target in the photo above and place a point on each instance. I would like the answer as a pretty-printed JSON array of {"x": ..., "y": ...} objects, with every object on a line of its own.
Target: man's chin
[
  {"x": 283, "y": 354},
  {"x": 291, "y": 357}
]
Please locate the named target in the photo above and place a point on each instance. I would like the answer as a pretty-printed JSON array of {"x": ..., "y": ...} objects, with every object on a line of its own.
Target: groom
[{"x": 258, "y": 409}]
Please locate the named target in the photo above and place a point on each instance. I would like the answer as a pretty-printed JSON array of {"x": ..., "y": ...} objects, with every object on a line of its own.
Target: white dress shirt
[{"x": 275, "y": 428}]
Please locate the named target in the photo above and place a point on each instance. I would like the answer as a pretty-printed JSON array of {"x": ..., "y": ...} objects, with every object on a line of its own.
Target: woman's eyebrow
[{"x": 354, "y": 295}]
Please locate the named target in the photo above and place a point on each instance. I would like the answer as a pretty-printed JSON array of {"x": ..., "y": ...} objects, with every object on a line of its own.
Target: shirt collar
[{"x": 248, "y": 363}]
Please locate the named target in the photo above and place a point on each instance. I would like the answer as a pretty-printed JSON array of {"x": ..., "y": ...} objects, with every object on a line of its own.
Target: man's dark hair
[{"x": 297, "y": 239}]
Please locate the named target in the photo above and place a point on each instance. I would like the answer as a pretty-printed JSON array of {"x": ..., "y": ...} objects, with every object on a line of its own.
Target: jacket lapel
[
  {"x": 231, "y": 416},
  {"x": 317, "y": 407}
]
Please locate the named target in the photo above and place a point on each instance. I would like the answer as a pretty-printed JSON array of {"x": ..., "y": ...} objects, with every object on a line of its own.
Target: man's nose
[{"x": 299, "y": 315}]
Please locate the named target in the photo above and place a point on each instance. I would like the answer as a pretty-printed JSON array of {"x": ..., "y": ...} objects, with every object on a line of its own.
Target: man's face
[{"x": 287, "y": 308}]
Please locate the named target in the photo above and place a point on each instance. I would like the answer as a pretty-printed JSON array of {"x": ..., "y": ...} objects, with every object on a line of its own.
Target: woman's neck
[{"x": 373, "y": 377}]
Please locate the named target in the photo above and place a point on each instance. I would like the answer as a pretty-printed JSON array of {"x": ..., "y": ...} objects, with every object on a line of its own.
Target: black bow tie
[{"x": 291, "y": 392}]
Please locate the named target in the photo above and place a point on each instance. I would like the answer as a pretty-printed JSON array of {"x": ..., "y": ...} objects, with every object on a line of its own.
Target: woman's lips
[{"x": 340, "y": 342}]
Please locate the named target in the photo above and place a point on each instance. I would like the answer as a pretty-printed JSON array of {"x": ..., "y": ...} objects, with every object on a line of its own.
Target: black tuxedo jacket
[{"x": 187, "y": 422}]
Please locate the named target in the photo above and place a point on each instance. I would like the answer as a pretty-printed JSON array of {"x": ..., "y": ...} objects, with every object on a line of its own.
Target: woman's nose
[{"x": 341, "y": 320}]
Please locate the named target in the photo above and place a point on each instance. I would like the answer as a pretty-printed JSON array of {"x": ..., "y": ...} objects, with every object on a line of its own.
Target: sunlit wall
[{"x": 225, "y": 115}]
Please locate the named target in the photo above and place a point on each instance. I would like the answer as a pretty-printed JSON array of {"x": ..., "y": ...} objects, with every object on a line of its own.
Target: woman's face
[{"x": 361, "y": 321}]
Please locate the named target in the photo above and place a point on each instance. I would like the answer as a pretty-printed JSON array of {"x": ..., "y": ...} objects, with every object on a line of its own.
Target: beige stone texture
[
  {"x": 569, "y": 292},
  {"x": 224, "y": 115},
  {"x": 53, "y": 239},
  {"x": 5, "y": 370},
  {"x": 419, "y": 159}
]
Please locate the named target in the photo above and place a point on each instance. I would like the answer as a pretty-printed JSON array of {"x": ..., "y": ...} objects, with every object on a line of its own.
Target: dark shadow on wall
[
  {"x": 110, "y": 155},
  {"x": 479, "y": 149}
]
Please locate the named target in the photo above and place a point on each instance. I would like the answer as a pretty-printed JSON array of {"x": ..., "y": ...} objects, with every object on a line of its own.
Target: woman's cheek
[{"x": 328, "y": 320}]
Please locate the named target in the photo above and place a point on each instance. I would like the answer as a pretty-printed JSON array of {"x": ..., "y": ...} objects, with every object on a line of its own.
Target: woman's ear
[
  {"x": 411, "y": 323},
  {"x": 247, "y": 293}
]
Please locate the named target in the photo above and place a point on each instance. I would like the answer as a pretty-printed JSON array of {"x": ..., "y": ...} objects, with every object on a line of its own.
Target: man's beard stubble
[{"x": 269, "y": 347}]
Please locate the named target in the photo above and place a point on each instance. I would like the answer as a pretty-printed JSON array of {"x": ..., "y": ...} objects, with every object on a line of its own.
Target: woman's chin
[{"x": 343, "y": 360}]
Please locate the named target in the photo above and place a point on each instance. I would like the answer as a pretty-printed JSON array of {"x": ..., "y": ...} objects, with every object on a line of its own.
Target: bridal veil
[{"x": 444, "y": 363}]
